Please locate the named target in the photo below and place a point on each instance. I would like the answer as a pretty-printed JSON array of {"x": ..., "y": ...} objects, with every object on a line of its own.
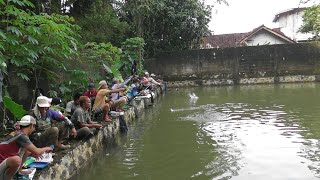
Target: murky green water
[{"x": 245, "y": 132}]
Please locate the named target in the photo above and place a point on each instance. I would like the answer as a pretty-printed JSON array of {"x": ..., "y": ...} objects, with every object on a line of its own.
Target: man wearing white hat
[
  {"x": 50, "y": 134},
  {"x": 18, "y": 143},
  {"x": 100, "y": 104}
]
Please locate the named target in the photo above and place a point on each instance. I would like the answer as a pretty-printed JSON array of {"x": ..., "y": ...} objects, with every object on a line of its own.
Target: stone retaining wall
[
  {"x": 246, "y": 81},
  {"x": 82, "y": 152},
  {"x": 282, "y": 63}
]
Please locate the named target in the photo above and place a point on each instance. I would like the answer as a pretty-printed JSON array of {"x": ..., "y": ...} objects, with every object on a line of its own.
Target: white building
[
  {"x": 258, "y": 36},
  {"x": 290, "y": 21},
  {"x": 265, "y": 36}
]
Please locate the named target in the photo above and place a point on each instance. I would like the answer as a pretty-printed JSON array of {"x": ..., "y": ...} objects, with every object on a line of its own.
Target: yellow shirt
[{"x": 100, "y": 100}]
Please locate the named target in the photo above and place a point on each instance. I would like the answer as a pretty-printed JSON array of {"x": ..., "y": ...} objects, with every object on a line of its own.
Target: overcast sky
[{"x": 245, "y": 15}]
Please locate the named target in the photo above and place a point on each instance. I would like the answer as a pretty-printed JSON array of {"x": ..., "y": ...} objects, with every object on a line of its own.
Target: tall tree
[
  {"x": 167, "y": 24},
  {"x": 311, "y": 21},
  {"x": 35, "y": 43},
  {"x": 99, "y": 22}
]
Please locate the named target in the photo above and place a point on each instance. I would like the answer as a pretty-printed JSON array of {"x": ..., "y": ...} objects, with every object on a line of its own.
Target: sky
[{"x": 245, "y": 15}]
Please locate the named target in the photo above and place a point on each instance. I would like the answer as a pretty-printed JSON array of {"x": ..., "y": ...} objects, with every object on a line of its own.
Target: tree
[
  {"x": 35, "y": 44},
  {"x": 99, "y": 22},
  {"x": 311, "y": 21},
  {"x": 167, "y": 25}
]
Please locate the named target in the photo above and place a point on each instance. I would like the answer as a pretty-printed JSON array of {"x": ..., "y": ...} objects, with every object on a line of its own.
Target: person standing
[{"x": 134, "y": 70}]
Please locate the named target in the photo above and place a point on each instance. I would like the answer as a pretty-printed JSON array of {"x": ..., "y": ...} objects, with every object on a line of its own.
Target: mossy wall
[{"x": 238, "y": 63}]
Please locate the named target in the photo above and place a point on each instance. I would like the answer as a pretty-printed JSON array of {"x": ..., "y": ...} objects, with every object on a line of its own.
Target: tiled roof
[
  {"x": 224, "y": 40},
  {"x": 288, "y": 12},
  {"x": 239, "y": 39}
]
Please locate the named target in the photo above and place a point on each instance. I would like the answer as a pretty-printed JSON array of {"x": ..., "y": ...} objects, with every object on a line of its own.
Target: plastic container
[{"x": 38, "y": 165}]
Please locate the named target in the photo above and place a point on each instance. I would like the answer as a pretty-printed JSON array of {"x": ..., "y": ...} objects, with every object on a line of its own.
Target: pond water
[{"x": 233, "y": 132}]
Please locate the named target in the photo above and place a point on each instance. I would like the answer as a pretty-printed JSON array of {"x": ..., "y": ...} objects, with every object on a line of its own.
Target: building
[
  {"x": 290, "y": 21},
  {"x": 258, "y": 36}
]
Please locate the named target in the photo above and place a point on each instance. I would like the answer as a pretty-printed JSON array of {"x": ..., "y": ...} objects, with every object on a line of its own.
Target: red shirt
[
  {"x": 13, "y": 146},
  {"x": 91, "y": 94}
]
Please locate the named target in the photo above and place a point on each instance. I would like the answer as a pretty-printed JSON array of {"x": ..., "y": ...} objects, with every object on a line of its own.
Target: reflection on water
[
  {"x": 252, "y": 139},
  {"x": 243, "y": 132}
]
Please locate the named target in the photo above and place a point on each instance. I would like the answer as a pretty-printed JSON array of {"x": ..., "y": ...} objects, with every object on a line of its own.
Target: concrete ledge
[
  {"x": 66, "y": 166},
  {"x": 67, "y": 163},
  {"x": 264, "y": 80},
  {"x": 246, "y": 81},
  {"x": 298, "y": 78}
]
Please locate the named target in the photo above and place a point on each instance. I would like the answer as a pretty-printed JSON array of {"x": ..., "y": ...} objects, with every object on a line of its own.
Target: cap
[
  {"x": 27, "y": 120},
  {"x": 43, "y": 101},
  {"x": 55, "y": 101},
  {"x": 146, "y": 73},
  {"x": 152, "y": 75},
  {"x": 101, "y": 83}
]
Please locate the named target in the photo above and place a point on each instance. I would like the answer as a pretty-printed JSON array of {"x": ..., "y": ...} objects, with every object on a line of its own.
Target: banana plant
[
  {"x": 114, "y": 70},
  {"x": 15, "y": 109}
]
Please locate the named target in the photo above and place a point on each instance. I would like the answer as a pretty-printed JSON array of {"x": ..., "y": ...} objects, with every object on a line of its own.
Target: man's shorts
[
  {"x": 3, "y": 167},
  {"x": 98, "y": 110}
]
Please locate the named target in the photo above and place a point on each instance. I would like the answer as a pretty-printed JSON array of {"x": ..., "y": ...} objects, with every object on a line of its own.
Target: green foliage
[
  {"x": 132, "y": 50},
  {"x": 17, "y": 110},
  {"x": 31, "y": 41},
  {"x": 167, "y": 25},
  {"x": 74, "y": 80},
  {"x": 115, "y": 62},
  {"x": 104, "y": 56},
  {"x": 97, "y": 61},
  {"x": 311, "y": 21},
  {"x": 100, "y": 24},
  {"x": 36, "y": 44},
  {"x": 103, "y": 52},
  {"x": 114, "y": 70}
]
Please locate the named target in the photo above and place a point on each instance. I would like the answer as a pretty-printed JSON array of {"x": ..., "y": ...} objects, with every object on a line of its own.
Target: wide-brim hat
[{"x": 43, "y": 101}]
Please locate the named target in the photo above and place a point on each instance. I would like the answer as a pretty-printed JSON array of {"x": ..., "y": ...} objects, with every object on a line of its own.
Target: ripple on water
[{"x": 246, "y": 138}]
